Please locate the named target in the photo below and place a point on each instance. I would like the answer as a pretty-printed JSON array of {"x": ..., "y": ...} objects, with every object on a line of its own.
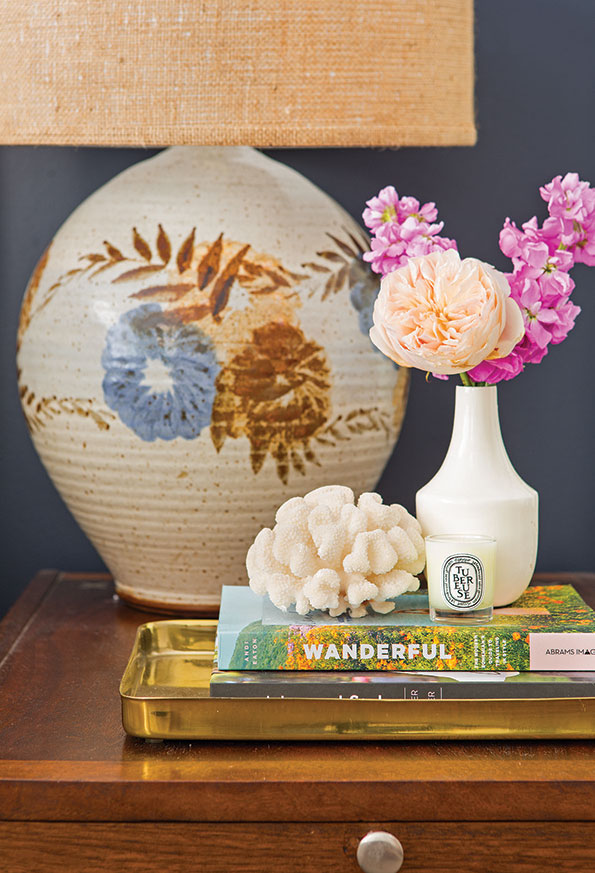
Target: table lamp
[{"x": 193, "y": 345}]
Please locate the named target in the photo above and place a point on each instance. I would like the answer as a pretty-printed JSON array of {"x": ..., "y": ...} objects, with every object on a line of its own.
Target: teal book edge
[{"x": 549, "y": 628}]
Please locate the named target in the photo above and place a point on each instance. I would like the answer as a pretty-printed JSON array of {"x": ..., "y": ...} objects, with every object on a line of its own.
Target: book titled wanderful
[{"x": 549, "y": 628}]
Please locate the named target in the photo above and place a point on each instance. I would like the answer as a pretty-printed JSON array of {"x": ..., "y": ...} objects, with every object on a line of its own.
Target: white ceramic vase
[
  {"x": 193, "y": 350},
  {"x": 478, "y": 491}
]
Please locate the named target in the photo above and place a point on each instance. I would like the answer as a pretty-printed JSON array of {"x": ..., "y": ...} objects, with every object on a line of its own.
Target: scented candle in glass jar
[{"x": 460, "y": 571}]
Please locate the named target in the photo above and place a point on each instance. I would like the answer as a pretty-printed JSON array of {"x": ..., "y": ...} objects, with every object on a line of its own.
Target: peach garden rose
[{"x": 445, "y": 315}]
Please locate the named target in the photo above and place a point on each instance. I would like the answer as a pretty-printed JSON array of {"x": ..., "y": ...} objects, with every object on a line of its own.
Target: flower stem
[{"x": 467, "y": 380}]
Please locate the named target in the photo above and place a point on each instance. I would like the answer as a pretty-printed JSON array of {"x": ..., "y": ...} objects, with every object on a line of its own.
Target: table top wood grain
[{"x": 65, "y": 757}]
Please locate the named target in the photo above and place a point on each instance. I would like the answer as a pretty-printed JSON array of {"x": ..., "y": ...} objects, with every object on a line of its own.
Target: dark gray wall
[{"x": 535, "y": 115}]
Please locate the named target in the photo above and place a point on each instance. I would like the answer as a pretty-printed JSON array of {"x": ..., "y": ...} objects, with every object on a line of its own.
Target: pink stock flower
[
  {"x": 381, "y": 209},
  {"x": 539, "y": 319},
  {"x": 547, "y": 318},
  {"x": 569, "y": 198},
  {"x": 555, "y": 285},
  {"x": 571, "y": 203},
  {"x": 585, "y": 252},
  {"x": 390, "y": 250},
  {"x": 498, "y": 370},
  {"x": 409, "y": 206},
  {"x": 542, "y": 258},
  {"x": 402, "y": 229},
  {"x": 534, "y": 246},
  {"x": 566, "y": 314},
  {"x": 384, "y": 257},
  {"x": 510, "y": 239}
]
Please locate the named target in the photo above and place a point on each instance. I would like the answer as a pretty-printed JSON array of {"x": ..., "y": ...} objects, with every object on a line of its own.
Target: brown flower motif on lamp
[{"x": 275, "y": 391}]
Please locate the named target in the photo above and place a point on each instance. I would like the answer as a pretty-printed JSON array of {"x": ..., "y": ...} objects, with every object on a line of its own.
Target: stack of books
[{"x": 541, "y": 646}]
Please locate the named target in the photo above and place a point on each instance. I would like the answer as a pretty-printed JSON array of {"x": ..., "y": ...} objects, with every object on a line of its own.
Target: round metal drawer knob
[{"x": 379, "y": 852}]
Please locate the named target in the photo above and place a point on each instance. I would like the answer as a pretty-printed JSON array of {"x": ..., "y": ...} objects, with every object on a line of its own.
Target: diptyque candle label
[{"x": 463, "y": 581}]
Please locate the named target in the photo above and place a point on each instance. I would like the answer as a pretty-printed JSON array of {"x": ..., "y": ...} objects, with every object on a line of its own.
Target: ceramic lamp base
[
  {"x": 193, "y": 351},
  {"x": 204, "y": 608}
]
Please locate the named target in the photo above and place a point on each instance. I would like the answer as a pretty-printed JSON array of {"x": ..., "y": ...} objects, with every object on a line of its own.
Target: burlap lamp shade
[{"x": 227, "y": 72}]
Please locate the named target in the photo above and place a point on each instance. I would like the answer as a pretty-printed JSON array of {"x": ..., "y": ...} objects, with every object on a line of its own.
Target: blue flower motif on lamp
[
  {"x": 159, "y": 374},
  {"x": 363, "y": 295},
  {"x": 364, "y": 286}
]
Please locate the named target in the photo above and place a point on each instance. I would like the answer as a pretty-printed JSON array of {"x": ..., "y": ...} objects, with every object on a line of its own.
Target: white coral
[{"x": 326, "y": 552}]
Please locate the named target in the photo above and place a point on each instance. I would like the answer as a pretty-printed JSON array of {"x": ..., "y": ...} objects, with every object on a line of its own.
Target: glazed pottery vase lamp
[{"x": 193, "y": 338}]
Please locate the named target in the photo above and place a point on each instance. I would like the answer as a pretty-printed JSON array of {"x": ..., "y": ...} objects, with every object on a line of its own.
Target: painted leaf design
[
  {"x": 141, "y": 245},
  {"x": 164, "y": 292},
  {"x": 257, "y": 457},
  {"x": 277, "y": 281},
  {"x": 318, "y": 268},
  {"x": 332, "y": 256},
  {"x": 189, "y": 314},
  {"x": 66, "y": 276},
  {"x": 163, "y": 245},
  {"x": 358, "y": 421},
  {"x": 334, "y": 431},
  {"x": 298, "y": 462},
  {"x": 103, "y": 267},
  {"x": 341, "y": 277},
  {"x": 137, "y": 273},
  {"x": 277, "y": 278},
  {"x": 296, "y": 277},
  {"x": 209, "y": 265},
  {"x": 343, "y": 246},
  {"x": 330, "y": 286},
  {"x": 186, "y": 250},
  {"x": 220, "y": 292},
  {"x": 360, "y": 245},
  {"x": 39, "y": 411},
  {"x": 310, "y": 456},
  {"x": 281, "y": 457},
  {"x": 49, "y": 296},
  {"x": 114, "y": 253},
  {"x": 92, "y": 259},
  {"x": 252, "y": 269}
]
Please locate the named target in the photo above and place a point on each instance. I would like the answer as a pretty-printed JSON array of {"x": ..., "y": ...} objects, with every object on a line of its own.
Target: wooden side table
[{"x": 77, "y": 794}]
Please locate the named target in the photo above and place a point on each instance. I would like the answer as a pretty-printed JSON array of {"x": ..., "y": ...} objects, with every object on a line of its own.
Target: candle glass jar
[{"x": 460, "y": 570}]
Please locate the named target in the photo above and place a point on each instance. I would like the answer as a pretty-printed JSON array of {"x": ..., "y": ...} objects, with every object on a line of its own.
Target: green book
[{"x": 549, "y": 628}]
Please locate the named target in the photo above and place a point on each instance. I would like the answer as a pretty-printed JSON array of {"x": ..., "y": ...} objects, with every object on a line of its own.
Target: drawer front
[{"x": 429, "y": 847}]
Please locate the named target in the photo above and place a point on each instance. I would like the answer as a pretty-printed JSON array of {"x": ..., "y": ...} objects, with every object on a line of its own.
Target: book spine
[
  {"x": 349, "y": 647},
  {"x": 378, "y": 690}
]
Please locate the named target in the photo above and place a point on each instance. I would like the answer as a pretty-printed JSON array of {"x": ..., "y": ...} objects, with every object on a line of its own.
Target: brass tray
[{"x": 165, "y": 695}]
